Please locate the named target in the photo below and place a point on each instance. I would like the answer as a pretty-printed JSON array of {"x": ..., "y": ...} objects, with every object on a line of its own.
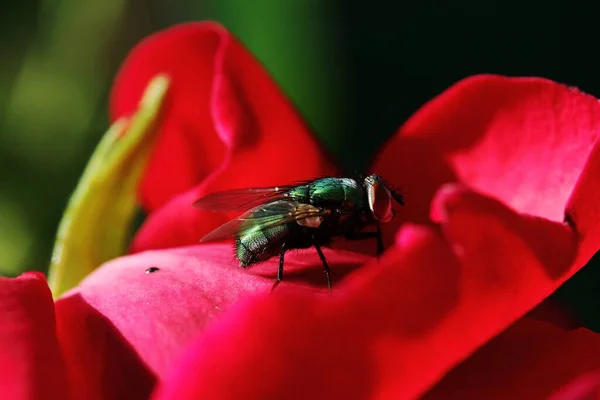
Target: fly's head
[{"x": 380, "y": 198}]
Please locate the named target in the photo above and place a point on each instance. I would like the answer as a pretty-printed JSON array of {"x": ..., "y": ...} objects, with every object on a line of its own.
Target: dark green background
[{"x": 356, "y": 69}]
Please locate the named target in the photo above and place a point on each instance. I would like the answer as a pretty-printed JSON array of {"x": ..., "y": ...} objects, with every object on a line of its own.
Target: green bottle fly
[{"x": 311, "y": 213}]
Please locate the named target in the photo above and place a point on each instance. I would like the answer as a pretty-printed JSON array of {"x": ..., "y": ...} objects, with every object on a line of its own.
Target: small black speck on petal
[{"x": 152, "y": 270}]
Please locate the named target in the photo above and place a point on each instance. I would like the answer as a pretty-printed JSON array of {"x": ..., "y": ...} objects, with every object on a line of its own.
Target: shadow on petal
[{"x": 305, "y": 269}]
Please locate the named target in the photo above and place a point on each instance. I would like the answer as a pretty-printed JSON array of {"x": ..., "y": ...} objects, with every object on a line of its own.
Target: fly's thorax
[{"x": 335, "y": 193}]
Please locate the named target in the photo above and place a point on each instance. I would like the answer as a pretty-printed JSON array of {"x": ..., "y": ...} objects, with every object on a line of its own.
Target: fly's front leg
[
  {"x": 280, "y": 269},
  {"x": 379, "y": 241},
  {"x": 368, "y": 235}
]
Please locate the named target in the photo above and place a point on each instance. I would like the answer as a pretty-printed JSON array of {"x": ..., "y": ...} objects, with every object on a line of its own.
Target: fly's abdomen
[{"x": 258, "y": 244}]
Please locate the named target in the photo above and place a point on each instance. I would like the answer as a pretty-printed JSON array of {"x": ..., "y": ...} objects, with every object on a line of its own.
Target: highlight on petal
[
  {"x": 157, "y": 301},
  {"x": 397, "y": 325},
  {"x": 522, "y": 140},
  {"x": 31, "y": 365},
  {"x": 226, "y": 125},
  {"x": 531, "y": 360}
]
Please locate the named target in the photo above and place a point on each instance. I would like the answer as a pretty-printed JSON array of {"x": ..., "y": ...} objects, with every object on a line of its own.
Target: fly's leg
[
  {"x": 325, "y": 266},
  {"x": 368, "y": 235},
  {"x": 379, "y": 241},
  {"x": 280, "y": 269}
]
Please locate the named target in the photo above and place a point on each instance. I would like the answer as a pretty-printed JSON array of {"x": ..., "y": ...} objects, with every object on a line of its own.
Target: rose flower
[{"x": 501, "y": 209}]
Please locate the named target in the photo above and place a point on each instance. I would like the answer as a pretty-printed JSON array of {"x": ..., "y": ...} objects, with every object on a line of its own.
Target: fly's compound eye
[{"x": 380, "y": 202}]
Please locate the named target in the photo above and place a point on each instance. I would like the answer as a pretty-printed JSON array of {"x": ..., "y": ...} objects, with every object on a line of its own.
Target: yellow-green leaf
[{"x": 98, "y": 217}]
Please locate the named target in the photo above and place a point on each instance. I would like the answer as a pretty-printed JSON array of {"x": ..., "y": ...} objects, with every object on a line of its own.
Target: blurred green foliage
[
  {"x": 53, "y": 94},
  {"x": 59, "y": 58}
]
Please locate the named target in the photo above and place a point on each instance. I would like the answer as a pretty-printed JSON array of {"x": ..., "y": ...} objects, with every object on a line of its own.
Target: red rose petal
[
  {"x": 522, "y": 140},
  {"x": 158, "y": 313},
  {"x": 583, "y": 208},
  {"x": 31, "y": 365},
  {"x": 463, "y": 213},
  {"x": 396, "y": 326},
  {"x": 101, "y": 364},
  {"x": 188, "y": 147},
  {"x": 531, "y": 360},
  {"x": 225, "y": 125}
]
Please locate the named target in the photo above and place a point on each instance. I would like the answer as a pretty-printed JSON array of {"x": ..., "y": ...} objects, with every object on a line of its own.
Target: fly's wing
[
  {"x": 266, "y": 216},
  {"x": 240, "y": 199},
  {"x": 236, "y": 200}
]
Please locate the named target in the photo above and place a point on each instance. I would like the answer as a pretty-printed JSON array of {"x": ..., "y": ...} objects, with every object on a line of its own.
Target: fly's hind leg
[
  {"x": 280, "y": 269},
  {"x": 325, "y": 266}
]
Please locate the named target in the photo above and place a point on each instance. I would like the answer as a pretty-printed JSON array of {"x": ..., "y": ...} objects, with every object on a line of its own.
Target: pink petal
[{"x": 159, "y": 313}]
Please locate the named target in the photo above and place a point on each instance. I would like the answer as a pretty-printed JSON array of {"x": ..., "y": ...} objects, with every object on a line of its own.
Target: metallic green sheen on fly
[{"x": 306, "y": 214}]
